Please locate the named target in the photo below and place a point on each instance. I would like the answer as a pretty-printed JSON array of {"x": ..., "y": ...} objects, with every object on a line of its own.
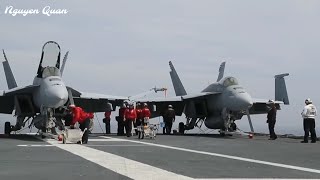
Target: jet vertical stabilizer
[
  {"x": 281, "y": 89},
  {"x": 64, "y": 62},
  {"x": 9, "y": 75},
  {"x": 221, "y": 71},
  {"x": 176, "y": 82}
]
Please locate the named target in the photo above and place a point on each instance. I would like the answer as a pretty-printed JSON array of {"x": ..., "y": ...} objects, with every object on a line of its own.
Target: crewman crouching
[{"x": 83, "y": 118}]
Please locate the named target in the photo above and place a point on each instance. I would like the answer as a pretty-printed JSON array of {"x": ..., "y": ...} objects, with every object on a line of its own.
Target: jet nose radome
[
  {"x": 245, "y": 100},
  {"x": 57, "y": 97}
]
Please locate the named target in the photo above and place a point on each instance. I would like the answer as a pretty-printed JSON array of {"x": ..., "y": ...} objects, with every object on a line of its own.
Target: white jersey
[{"x": 309, "y": 111}]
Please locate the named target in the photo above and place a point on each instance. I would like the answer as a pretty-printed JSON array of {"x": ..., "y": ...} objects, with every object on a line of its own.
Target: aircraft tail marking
[
  {"x": 281, "y": 89},
  {"x": 11, "y": 82},
  {"x": 177, "y": 84}
]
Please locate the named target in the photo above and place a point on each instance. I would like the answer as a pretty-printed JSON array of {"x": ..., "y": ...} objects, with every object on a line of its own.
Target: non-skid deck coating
[{"x": 166, "y": 157}]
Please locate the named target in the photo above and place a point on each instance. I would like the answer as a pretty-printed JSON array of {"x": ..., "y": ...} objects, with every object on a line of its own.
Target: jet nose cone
[
  {"x": 246, "y": 100},
  {"x": 58, "y": 97}
]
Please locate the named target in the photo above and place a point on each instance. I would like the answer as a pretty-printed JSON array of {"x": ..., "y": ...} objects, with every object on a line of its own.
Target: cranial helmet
[
  {"x": 271, "y": 101},
  {"x": 72, "y": 106},
  {"x": 308, "y": 101}
]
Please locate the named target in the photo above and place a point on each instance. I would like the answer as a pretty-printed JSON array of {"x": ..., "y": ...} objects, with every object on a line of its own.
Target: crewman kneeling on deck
[
  {"x": 83, "y": 118},
  {"x": 130, "y": 116}
]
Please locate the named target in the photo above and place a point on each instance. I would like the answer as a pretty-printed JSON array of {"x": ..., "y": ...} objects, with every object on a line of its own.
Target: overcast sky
[{"x": 122, "y": 47}]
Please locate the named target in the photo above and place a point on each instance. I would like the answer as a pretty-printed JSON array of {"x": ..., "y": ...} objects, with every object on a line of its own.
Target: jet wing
[
  {"x": 159, "y": 105},
  {"x": 92, "y": 102},
  {"x": 20, "y": 90},
  {"x": 261, "y": 106},
  {"x": 7, "y": 98},
  {"x": 199, "y": 95}
]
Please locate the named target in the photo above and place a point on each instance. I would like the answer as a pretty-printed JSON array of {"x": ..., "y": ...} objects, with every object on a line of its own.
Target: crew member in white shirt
[{"x": 308, "y": 114}]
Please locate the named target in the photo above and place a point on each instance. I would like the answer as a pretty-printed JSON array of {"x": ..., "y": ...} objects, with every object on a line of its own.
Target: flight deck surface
[{"x": 166, "y": 157}]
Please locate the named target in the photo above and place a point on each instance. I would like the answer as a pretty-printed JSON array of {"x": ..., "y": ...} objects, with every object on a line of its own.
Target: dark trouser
[
  {"x": 128, "y": 125},
  {"x": 108, "y": 131},
  {"x": 84, "y": 125},
  {"x": 120, "y": 127},
  {"x": 164, "y": 129},
  {"x": 309, "y": 126},
  {"x": 271, "y": 130},
  {"x": 135, "y": 124},
  {"x": 168, "y": 126}
]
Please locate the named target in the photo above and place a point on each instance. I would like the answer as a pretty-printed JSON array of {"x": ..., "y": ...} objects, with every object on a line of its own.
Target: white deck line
[{"x": 227, "y": 156}]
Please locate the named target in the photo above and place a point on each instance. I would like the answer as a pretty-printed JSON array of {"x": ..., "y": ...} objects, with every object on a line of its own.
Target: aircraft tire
[
  {"x": 181, "y": 128},
  {"x": 7, "y": 128}
]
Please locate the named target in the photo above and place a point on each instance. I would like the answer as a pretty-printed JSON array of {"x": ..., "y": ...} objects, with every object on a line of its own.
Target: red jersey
[
  {"x": 146, "y": 112},
  {"x": 79, "y": 115},
  {"x": 130, "y": 114},
  {"x": 121, "y": 112},
  {"x": 107, "y": 114},
  {"x": 139, "y": 113}
]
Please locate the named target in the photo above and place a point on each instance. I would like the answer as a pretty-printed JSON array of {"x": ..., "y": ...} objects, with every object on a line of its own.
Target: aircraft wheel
[
  {"x": 233, "y": 126},
  {"x": 7, "y": 128},
  {"x": 181, "y": 128}
]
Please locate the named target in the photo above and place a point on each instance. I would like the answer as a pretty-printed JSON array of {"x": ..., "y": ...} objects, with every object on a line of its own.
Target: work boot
[{"x": 304, "y": 141}]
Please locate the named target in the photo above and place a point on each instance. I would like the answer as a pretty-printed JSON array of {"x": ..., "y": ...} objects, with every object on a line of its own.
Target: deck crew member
[
  {"x": 308, "y": 114},
  {"x": 107, "y": 118},
  {"x": 271, "y": 120},
  {"x": 79, "y": 115},
  {"x": 139, "y": 120},
  {"x": 169, "y": 117},
  {"x": 120, "y": 120},
  {"x": 146, "y": 114},
  {"x": 130, "y": 116}
]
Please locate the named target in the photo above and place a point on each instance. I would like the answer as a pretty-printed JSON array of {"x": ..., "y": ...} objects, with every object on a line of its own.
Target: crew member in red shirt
[
  {"x": 146, "y": 114},
  {"x": 120, "y": 119},
  {"x": 130, "y": 116},
  {"x": 83, "y": 118},
  {"x": 107, "y": 117},
  {"x": 139, "y": 117}
]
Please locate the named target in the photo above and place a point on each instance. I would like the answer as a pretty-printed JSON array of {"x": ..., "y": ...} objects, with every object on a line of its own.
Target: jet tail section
[
  {"x": 177, "y": 84},
  {"x": 11, "y": 82},
  {"x": 281, "y": 89},
  {"x": 221, "y": 71}
]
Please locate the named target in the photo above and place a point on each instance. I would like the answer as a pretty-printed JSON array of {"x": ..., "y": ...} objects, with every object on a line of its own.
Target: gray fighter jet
[
  {"x": 46, "y": 100},
  {"x": 219, "y": 105}
]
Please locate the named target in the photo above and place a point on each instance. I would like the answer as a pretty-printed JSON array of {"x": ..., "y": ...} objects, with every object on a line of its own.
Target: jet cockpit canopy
[
  {"x": 50, "y": 71},
  {"x": 230, "y": 81}
]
